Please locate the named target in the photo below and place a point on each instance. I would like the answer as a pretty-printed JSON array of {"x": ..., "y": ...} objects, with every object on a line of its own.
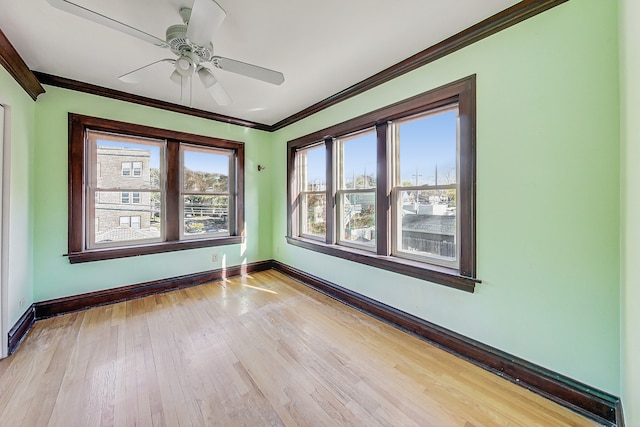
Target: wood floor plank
[{"x": 250, "y": 351}]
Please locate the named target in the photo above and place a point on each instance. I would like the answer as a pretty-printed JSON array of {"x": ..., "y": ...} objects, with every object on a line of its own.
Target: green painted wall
[
  {"x": 630, "y": 209},
  {"x": 54, "y": 276},
  {"x": 20, "y": 225},
  {"x": 547, "y": 194}
]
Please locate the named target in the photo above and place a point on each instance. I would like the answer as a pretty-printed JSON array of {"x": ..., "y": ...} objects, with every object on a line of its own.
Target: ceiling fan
[{"x": 190, "y": 42}]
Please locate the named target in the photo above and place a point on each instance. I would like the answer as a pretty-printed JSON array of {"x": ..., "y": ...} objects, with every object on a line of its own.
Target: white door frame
[{"x": 4, "y": 226}]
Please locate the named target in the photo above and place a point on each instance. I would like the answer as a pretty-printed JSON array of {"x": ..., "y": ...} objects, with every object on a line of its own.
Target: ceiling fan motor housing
[{"x": 180, "y": 44}]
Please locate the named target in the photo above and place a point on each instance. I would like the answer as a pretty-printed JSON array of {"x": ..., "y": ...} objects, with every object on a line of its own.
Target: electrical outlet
[
  {"x": 22, "y": 302},
  {"x": 214, "y": 257}
]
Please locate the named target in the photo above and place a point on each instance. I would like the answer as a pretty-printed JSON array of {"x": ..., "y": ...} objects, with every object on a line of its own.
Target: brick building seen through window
[{"x": 124, "y": 215}]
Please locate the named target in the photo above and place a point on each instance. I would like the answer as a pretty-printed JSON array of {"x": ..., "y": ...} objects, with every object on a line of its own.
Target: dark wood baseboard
[
  {"x": 54, "y": 307},
  {"x": 592, "y": 403},
  {"x": 20, "y": 329}
]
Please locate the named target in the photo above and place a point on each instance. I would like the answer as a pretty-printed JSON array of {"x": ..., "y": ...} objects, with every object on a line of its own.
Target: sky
[
  {"x": 206, "y": 162},
  {"x": 194, "y": 160},
  {"x": 424, "y": 143},
  {"x": 154, "y": 150}
]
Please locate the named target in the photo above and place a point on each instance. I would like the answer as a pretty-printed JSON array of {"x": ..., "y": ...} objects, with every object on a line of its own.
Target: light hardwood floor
[{"x": 256, "y": 350}]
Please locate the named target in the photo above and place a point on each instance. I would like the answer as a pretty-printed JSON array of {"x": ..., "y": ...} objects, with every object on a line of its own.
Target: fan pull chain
[{"x": 181, "y": 87}]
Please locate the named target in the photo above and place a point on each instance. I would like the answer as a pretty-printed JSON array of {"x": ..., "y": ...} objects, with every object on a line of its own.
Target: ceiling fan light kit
[
  {"x": 213, "y": 86},
  {"x": 177, "y": 78},
  {"x": 185, "y": 65},
  {"x": 190, "y": 42}
]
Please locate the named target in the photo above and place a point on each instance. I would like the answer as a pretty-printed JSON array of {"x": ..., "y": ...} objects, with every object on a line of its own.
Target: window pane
[
  {"x": 428, "y": 147},
  {"x": 135, "y": 197},
  {"x": 119, "y": 222},
  {"x": 428, "y": 223},
  {"x": 124, "y": 198},
  {"x": 314, "y": 210},
  {"x": 205, "y": 171},
  {"x": 206, "y": 216},
  {"x": 125, "y": 164},
  {"x": 137, "y": 168},
  {"x": 358, "y": 218},
  {"x": 313, "y": 174},
  {"x": 357, "y": 157}
]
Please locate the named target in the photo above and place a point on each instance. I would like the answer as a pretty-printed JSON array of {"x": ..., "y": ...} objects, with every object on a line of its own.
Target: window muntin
[
  {"x": 207, "y": 191},
  {"x": 156, "y": 222},
  {"x": 423, "y": 202},
  {"x": 312, "y": 191},
  {"x": 356, "y": 193},
  {"x": 450, "y": 258}
]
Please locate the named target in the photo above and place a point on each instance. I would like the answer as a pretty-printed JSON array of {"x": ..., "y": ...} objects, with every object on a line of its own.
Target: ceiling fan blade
[
  {"x": 253, "y": 71},
  {"x": 90, "y": 15},
  {"x": 134, "y": 76},
  {"x": 213, "y": 86},
  {"x": 206, "y": 17}
]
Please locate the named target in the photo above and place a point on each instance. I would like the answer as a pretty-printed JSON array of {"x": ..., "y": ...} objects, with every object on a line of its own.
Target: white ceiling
[{"x": 322, "y": 47}]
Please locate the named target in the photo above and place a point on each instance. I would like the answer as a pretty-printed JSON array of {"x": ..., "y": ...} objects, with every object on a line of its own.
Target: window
[
  {"x": 356, "y": 193},
  {"x": 130, "y": 221},
  {"x": 313, "y": 197},
  {"x": 424, "y": 186},
  {"x": 125, "y": 197},
  {"x": 395, "y": 187},
  {"x": 131, "y": 169},
  {"x": 137, "y": 168},
  {"x": 206, "y": 191},
  {"x": 188, "y": 191}
]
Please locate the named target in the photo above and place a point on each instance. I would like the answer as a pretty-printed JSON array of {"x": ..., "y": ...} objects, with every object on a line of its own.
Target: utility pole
[{"x": 417, "y": 176}]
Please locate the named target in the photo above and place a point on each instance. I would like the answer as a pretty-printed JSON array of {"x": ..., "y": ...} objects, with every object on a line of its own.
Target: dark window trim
[
  {"x": 432, "y": 273},
  {"x": 461, "y": 92},
  {"x": 77, "y": 252}
]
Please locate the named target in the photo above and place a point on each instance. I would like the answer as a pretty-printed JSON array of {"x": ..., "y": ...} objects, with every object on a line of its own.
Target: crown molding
[
  {"x": 15, "y": 65},
  {"x": 65, "y": 83},
  {"x": 498, "y": 22},
  {"x": 507, "y": 18}
]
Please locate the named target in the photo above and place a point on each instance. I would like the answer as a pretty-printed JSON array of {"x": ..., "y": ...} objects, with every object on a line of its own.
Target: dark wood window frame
[
  {"x": 77, "y": 247},
  {"x": 461, "y": 92}
]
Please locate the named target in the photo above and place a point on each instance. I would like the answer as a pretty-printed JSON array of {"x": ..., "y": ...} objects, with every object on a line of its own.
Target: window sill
[
  {"x": 432, "y": 273},
  {"x": 154, "y": 248}
]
